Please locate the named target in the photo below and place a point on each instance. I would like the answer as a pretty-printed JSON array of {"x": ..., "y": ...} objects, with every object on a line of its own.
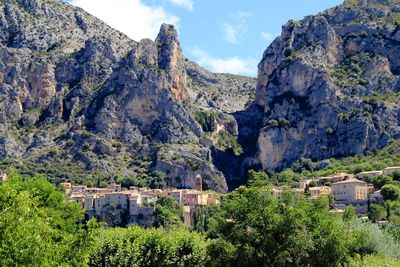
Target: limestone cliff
[
  {"x": 75, "y": 92},
  {"x": 328, "y": 85}
]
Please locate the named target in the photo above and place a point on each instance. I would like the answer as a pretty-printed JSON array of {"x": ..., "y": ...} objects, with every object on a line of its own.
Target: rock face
[
  {"x": 226, "y": 93},
  {"x": 75, "y": 91},
  {"x": 329, "y": 85}
]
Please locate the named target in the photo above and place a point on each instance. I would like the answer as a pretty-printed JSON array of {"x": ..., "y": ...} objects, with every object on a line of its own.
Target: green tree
[
  {"x": 257, "y": 178},
  {"x": 396, "y": 175},
  {"x": 377, "y": 213},
  {"x": 314, "y": 184},
  {"x": 157, "y": 180},
  {"x": 37, "y": 226},
  {"x": 221, "y": 253},
  {"x": 202, "y": 217},
  {"x": 390, "y": 192},
  {"x": 128, "y": 181},
  {"x": 349, "y": 213},
  {"x": 307, "y": 192},
  {"x": 272, "y": 233},
  {"x": 382, "y": 180},
  {"x": 226, "y": 140},
  {"x": 168, "y": 213}
]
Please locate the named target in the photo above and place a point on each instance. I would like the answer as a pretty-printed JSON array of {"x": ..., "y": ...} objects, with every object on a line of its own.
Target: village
[
  {"x": 115, "y": 204},
  {"x": 345, "y": 189},
  {"x": 134, "y": 205}
]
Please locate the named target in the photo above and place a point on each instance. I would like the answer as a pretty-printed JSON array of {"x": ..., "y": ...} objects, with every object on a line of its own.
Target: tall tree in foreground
[
  {"x": 267, "y": 232},
  {"x": 38, "y": 227}
]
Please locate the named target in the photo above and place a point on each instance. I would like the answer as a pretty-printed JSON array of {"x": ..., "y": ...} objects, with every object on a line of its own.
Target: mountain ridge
[{"x": 76, "y": 91}]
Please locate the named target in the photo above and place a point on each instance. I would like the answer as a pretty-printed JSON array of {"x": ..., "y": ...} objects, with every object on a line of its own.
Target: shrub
[
  {"x": 226, "y": 141},
  {"x": 192, "y": 164},
  {"x": 206, "y": 119},
  {"x": 390, "y": 192},
  {"x": 290, "y": 54},
  {"x": 52, "y": 152},
  {"x": 136, "y": 246},
  {"x": 349, "y": 213},
  {"x": 396, "y": 175},
  {"x": 272, "y": 123},
  {"x": 329, "y": 131},
  {"x": 377, "y": 213},
  {"x": 167, "y": 213},
  {"x": 382, "y": 180}
]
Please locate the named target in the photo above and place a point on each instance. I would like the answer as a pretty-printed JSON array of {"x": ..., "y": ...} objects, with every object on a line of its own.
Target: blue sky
[{"x": 221, "y": 35}]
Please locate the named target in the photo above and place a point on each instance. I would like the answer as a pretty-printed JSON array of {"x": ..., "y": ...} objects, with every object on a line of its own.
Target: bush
[
  {"x": 396, "y": 175},
  {"x": 226, "y": 141},
  {"x": 371, "y": 239},
  {"x": 206, "y": 119},
  {"x": 278, "y": 123},
  {"x": 349, "y": 214},
  {"x": 257, "y": 178},
  {"x": 382, "y": 180},
  {"x": 390, "y": 192},
  {"x": 377, "y": 213},
  {"x": 221, "y": 253},
  {"x": 272, "y": 123},
  {"x": 167, "y": 213},
  {"x": 290, "y": 54},
  {"x": 136, "y": 246}
]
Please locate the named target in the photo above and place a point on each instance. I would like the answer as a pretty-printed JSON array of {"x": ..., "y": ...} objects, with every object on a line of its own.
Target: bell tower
[{"x": 199, "y": 183}]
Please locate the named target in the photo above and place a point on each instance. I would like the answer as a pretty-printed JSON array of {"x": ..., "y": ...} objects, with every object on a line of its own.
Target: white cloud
[
  {"x": 233, "y": 32},
  {"x": 188, "y": 4},
  {"x": 267, "y": 36},
  {"x": 230, "y": 33},
  {"x": 243, "y": 14},
  {"x": 233, "y": 65},
  {"x": 131, "y": 17}
]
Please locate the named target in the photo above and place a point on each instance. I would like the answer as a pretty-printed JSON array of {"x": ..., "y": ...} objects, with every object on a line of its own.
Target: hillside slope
[{"x": 80, "y": 96}]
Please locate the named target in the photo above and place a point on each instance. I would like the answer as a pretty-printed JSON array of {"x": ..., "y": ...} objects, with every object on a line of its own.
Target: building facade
[
  {"x": 317, "y": 192},
  {"x": 391, "y": 170},
  {"x": 351, "y": 190},
  {"x": 371, "y": 174}
]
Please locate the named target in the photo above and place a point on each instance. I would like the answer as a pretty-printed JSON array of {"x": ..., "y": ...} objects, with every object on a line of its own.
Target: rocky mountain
[
  {"x": 329, "y": 85},
  {"x": 75, "y": 92},
  {"x": 77, "y": 96}
]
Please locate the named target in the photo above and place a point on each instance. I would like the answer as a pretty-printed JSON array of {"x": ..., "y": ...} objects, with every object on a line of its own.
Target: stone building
[{"x": 351, "y": 190}]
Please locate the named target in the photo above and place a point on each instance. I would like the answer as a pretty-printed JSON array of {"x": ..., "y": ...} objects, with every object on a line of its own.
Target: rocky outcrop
[
  {"x": 74, "y": 91},
  {"x": 226, "y": 93},
  {"x": 329, "y": 85}
]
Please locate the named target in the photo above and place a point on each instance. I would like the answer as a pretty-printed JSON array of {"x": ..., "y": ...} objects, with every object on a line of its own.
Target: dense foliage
[
  {"x": 206, "y": 119},
  {"x": 167, "y": 213},
  {"x": 272, "y": 233},
  {"x": 250, "y": 228},
  {"x": 37, "y": 226},
  {"x": 152, "y": 247},
  {"x": 226, "y": 140}
]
